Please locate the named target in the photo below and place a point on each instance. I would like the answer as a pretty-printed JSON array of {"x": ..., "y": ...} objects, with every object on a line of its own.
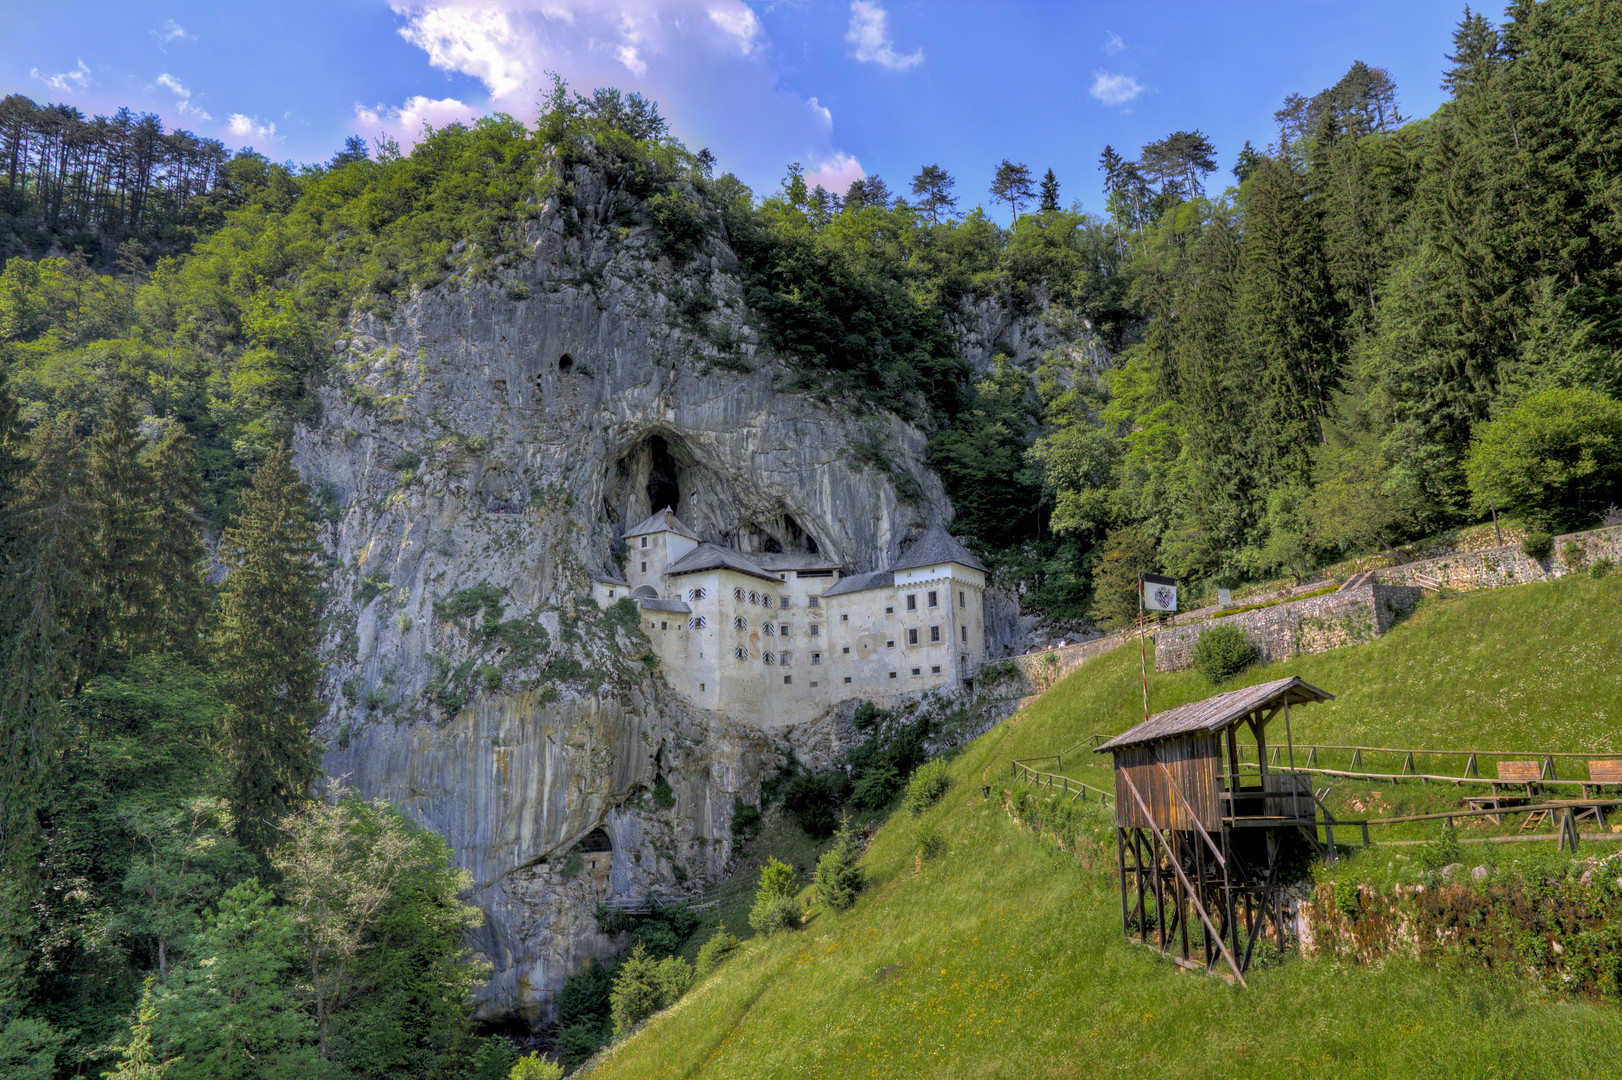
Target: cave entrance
[
  {"x": 663, "y": 489},
  {"x": 596, "y": 840}
]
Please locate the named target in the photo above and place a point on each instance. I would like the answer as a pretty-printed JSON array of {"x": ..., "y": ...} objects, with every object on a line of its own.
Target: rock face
[{"x": 484, "y": 446}]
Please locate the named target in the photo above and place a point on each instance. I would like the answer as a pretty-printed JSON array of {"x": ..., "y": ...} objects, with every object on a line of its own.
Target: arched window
[
  {"x": 754, "y": 598},
  {"x": 740, "y": 623},
  {"x": 768, "y": 658},
  {"x": 695, "y": 594},
  {"x": 768, "y": 628},
  {"x": 737, "y": 594},
  {"x": 696, "y": 623},
  {"x": 741, "y": 653}
]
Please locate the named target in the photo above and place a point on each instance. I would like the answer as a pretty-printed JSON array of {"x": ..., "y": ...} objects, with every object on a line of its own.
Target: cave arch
[
  {"x": 565, "y": 364},
  {"x": 595, "y": 841}
]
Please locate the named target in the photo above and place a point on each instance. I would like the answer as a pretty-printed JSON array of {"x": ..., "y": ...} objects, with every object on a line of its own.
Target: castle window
[
  {"x": 845, "y": 650},
  {"x": 787, "y": 679},
  {"x": 892, "y": 674},
  {"x": 960, "y": 601},
  {"x": 737, "y": 594},
  {"x": 963, "y": 660},
  {"x": 782, "y": 628},
  {"x": 935, "y": 634},
  {"x": 934, "y": 600},
  {"x": 816, "y": 658},
  {"x": 912, "y": 635},
  {"x": 768, "y": 628},
  {"x": 696, "y": 594},
  {"x": 812, "y": 601},
  {"x": 701, "y": 688},
  {"x": 815, "y": 630},
  {"x": 844, "y": 616},
  {"x": 917, "y": 671},
  {"x": 889, "y": 611},
  {"x": 611, "y": 594},
  {"x": 740, "y": 623},
  {"x": 664, "y": 625},
  {"x": 912, "y": 601},
  {"x": 696, "y": 623},
  {"x": 782, "y": 658},
  {"x": 644, "y": 568},
  {"x": 741, "y": 653},
  {"x": 890, "y": 644},
  {"x": 644, "y": 541},
  {"x": 782, "y": 601},
  {"x": 754, "y": 598},
  {"x": 965, "y": 630},
  {"x": 847, "y": 680},
  {"x": 813, "y": 684},
  {"x": 935, "y": 669},
  {"x": 768, "y": 658}
]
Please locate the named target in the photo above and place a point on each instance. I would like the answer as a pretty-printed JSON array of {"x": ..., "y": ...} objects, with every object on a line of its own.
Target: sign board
[
  {"x": 1224, "y": 596},
  {"x": 1159, "y": 593}
]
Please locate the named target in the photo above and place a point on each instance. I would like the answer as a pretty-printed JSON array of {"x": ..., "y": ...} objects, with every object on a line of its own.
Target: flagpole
[{"x": 1143, "y": 656}]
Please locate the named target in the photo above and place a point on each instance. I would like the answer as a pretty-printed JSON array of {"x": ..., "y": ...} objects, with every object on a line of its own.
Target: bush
[
  {"x": 637, "y": 994},
  {"x": 774, "y": 913},
  {"x": 1555, "y": 458},
  {"x": 664, "y": 797},
  {"x": 577, "y": 1042},
  {"x": 745, "y": 820},
  {"x": 535, "y": 1067},
  {"x": 1223, "y": 652},
  {"x": 813, "y": 798},
  {"x": 927, "y": 785},
  {"x": 1600, "y": 568},
  {"x": 840, "y": 877},
  {"x": 1538, "y": 545},
  {"x": 714, "y": 953},
  {"x": 876, "y": 788},
  {"x": 932, "y": 845}
]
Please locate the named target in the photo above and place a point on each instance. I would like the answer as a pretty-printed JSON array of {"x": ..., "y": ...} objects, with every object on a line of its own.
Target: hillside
[{"x": 1003, "y": 958}]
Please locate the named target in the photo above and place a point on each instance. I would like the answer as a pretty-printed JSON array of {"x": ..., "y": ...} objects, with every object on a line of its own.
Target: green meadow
[{"x": 1003, "y": 956}]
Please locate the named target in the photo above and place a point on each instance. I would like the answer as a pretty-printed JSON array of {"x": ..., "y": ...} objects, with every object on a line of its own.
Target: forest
[{"x": 1379, "y": 328}]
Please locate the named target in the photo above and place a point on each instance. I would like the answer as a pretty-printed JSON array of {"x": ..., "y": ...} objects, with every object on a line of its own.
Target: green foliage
[
  {"x": 535, "y": 1067},
  {"x": 645, "y": 985},
  {"x": 1556, "y": 457},
  {"x": 137, "y": 1059},
  {"x": 931, "y": 845},
  {"x": 1537, "y": 544},
  {"x": 1600, "y": 567},
  {"x": 928, "y": 784},
  {"x": 840, "y": 878},
  {"x": 813, "y": 799},
  {"x": 1127, "y": 554},
  {"x": 1223, "y": 652},
  {"x": 775, "y": 906},
  {"x": 664, "y": 797},
  {"x": 745, "y": 820},
  {"x": 877, "y": 788},
  {"x": 714, "y": 952},
  {"x": 29, "y": 1048}
]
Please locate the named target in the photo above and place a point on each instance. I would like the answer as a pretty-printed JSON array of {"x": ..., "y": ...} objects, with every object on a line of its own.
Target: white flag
[{"x": 1159, "y": 593}]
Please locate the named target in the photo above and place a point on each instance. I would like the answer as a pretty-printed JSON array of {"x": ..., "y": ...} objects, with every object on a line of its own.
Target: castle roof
[
  {"x": 936, "y": 546},
  {"x": 655, "y": 603},
  {"x": 608, "y": 579},
  {"x": 712, "y": 557},
  {"x": 795, "y": 561},
  {"x": 879, "y": 579},
  {"x": 663, "y": 521}
]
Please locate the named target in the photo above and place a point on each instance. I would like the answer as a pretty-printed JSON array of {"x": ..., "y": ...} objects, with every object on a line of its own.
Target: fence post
[
  {"x": 1312, "y": 758},
  {"x": 1470, "y": 768},
  {"x": 1357, "y": 758}
]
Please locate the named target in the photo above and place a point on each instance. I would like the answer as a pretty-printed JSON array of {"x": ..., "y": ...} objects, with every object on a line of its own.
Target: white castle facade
[{"x": 777, "y": 639}]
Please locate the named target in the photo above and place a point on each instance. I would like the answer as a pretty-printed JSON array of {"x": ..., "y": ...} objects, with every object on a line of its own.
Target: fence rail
[{"x": 1037, "y": 778}]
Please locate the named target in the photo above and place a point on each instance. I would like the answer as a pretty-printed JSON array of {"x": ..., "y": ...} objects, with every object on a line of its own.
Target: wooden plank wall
[{"x": 1195, "y": 766}]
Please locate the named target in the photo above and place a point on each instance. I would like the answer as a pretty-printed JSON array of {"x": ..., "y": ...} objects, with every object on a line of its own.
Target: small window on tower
[
  {"x": 917, "y": 671},
  {"x": 912, "y": 601},
  {"x": 934, "y": 634},
  {"x": 782, "y": 601},
  {"x": 845, "y": 650},
  {"x": 847, "y": 679},
  {"x": 844, "y": 616},
  {"x": 816, "y": 658},
  {"x": 912, "y": 635},
  {"x": 696, "y": 623},
  {"x": 812, "y": 601},
  {"x": 933, "y": 600},
  {"x": 889, "y": 611},
  {"x": 890, "y": 644},
  {"x": 965, "y": 630},
  {"x": 737, "y": 594},
  {"x": 892, "y": 674},
  {"x": 815, "y": 630},
  {"x": 644, "y": 541},
  {"x": 782, "y": 628},
  {"x": 664, "y": 625},
  {"x": 768, "y": 658},
  {"x": 935, "y": 669},
  {"x": 960, "y": 601},
  {"x": 787, "y": 679},
  {"x": 644, "y": 568},
  {"x": 741, "y": 653},
  {"x": 770, "y": 628},
  {"x": 696, "y": 594},
  {"x": 740, "y": 623}
]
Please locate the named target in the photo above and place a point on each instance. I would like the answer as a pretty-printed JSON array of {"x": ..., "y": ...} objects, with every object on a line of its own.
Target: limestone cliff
[{"x": 483, "y": 446}]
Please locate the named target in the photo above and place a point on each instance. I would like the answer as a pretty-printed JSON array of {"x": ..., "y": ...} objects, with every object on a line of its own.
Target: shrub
[
  {"x": 745, "y": 820},
  {"x": 577, "y": 1042},
  {"x": 1538, "y": 545},
  {"x": 535, "y": 1067},
  {"x": 1555, "y": 458},
  {"x": 927, "y": 785},
  {"x": 663, "y": 796},
  {"x": 932, "y": 845},
  {"x": 876, "y": 788},
  {"x": 1223, "y": 652},
  {"x": 774, "y": 913},
  {"x": 840, "y": 877},
  {"x": 637, "y": 993},
  {"x": 714, "y": 952},
  {"x": 813, "y": 797},
  {"x": 1600, "y": 568},
  {"x": 656, "y": 937},
  {"x": 673, "y": 976}
]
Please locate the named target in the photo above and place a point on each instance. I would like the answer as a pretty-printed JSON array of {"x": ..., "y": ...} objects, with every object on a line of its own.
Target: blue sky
[{"x": 846, "y": 88}]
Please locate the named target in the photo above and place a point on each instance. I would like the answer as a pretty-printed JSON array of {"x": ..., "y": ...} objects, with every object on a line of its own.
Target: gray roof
[
  {"x": 1216, "y": 713},
  {"x": 712, "y": 557},
  {"x": 609, "y": 579},
  {"x": 936, "y": 547},
  {"x": 879, "y": 579},
  {"x": 792, "y": 561},
  {"x": 654, "y": 603},
  {"x": 663, "y": 521}
]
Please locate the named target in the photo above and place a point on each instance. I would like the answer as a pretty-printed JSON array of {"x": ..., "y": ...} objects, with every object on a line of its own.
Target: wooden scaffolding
[{"x": 1200, "y": 844}]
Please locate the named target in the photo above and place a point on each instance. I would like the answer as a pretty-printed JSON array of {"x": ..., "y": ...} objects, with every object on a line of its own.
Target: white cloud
[
  {"x": 66, "y": 81},
  {"x": 836, "y": 174},
  {"x": 404, "y": 124},
  {"x": 708, "y": 65},
  {"x": 250, "y": 127},
  {"x": 869, "y": 34},
  {"x": 821, "y": 111},
  {"x": 1113, "y": 89},
  {"x": 1113, "y": 43},
  {"x": 186, "y": 108},
  {"x": 173, "y": 84},
  {"x": 183, "y": 104},
  {"x": 172, "y": 31}
]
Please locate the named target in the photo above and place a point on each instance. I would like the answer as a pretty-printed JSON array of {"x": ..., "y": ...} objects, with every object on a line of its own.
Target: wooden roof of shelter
[{"x": 1216, "y": 713}]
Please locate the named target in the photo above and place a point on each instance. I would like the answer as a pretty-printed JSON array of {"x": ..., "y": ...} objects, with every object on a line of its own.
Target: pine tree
[
  {"x": 1012, "y": 185},
  {"x": 933, "y": 187},
  {"x": 138, "y": 1061},
  {"x": 122, "y": 566},
  {"x": 1050, "y": 193},
  {"x": 266, "y": 649},
  {"x": 182, "y": 598}
]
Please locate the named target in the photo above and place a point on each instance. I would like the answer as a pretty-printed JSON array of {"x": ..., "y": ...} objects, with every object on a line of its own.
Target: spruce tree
[
  {"x": 1050, "y": 193},
  {"x": 1012, "y": 185},
  {"x": 122, "y": 566},
  {"x": 933, "y": 188},
  {"x": 182, "y": 593},
  {"x": 266, "y": 649}
]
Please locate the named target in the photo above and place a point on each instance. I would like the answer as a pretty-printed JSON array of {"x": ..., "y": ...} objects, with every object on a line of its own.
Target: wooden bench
[
  {"x": 1526, "y": 774},
  {"x": 1601, "y": 775}
]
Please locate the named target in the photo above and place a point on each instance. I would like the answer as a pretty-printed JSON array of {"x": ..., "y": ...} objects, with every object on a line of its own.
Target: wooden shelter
[{"x": 1199, "y": 842}]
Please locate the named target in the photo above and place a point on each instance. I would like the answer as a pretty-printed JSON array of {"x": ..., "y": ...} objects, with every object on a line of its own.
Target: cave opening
[
  {"x": 663, "y": 488},
  {"x": 565, "y": 364},
  {"x": 596, "y": 840}
]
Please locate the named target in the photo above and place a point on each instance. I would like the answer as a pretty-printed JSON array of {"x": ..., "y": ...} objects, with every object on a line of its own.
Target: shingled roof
[
  {"x": 712, "y": 557},
  {"x": 1215, "y": 713},
  {"x": 879, "y": 579},
  {"x": 663, "y": 521},
  {"x": 936, "y": 546}
]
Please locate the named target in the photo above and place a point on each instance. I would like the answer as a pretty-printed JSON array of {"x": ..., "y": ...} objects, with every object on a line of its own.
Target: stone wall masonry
[
  {"x": 1508, "y": 565},
  {"x": 1313, "y": 625}
]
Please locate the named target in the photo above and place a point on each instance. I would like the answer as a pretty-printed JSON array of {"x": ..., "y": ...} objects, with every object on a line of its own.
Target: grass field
[{"x": 1003, "y": 958}]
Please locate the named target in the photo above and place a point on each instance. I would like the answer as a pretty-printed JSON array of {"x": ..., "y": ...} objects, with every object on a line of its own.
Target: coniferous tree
[
  {"x": 122, "y": 565},
  {"x": 933, "y": 187},
  {"x": 182, "y": 598},
  {"x": 266, "y": 649},
  {"x": 1050, "y": 193},
  {"x": 1012, "y": 185}
]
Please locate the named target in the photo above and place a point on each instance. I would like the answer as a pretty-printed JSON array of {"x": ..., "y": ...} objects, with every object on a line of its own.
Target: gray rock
[{"x": 1480, "y": 873}]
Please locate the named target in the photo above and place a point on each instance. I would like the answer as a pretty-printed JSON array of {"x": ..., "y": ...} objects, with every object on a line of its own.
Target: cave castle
[{"x": 777, "y": 638}]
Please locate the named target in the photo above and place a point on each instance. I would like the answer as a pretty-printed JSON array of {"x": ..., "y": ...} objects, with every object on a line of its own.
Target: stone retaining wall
[
  {"x": 1508, "y": 565},
  {"x": 1306, "y": 626}
]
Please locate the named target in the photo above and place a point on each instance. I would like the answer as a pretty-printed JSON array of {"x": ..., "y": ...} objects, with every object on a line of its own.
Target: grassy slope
[{"x": 1004, "y": 957}]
